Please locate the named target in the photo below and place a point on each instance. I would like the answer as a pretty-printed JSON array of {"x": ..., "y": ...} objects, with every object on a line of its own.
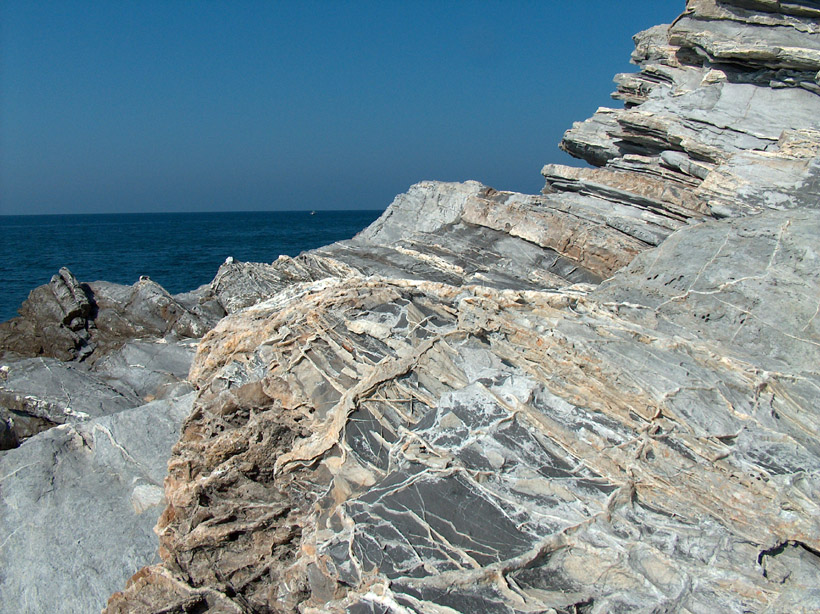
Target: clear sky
[{"x": 115, "y": 106}]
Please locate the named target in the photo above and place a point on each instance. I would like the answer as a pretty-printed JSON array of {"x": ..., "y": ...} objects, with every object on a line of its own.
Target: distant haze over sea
[{"x": 180, "y": 251}]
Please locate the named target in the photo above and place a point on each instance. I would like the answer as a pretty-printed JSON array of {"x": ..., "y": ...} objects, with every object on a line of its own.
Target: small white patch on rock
[
  {"x": 368, "y": 327},
  {"x": 146, "y": 496}
]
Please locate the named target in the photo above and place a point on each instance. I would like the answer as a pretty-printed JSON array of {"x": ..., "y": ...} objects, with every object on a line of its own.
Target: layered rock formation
[{"x": 602, "y": 398}]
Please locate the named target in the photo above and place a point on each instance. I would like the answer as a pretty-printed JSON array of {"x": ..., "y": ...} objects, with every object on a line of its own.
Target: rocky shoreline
[{"x": 601, "y": 398}]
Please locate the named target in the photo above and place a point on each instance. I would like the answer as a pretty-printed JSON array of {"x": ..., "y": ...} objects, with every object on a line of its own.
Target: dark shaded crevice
[{"x": 781, "y": 548}]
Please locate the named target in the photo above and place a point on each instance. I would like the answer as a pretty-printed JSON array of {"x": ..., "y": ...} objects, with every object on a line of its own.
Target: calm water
[{"x": 180, "y": 251}]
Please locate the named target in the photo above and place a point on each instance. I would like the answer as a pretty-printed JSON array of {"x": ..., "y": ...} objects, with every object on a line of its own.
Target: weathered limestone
[
  {"x": 721, "y": 95},
  {"x": 602, "y": 398},
  {"x": 431, "y": 446}
]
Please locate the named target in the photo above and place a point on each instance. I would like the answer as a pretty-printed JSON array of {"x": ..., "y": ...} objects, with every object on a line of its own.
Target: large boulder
[
  {"x": 78, "y": 506},
  {"x": 53, "y": 321}
]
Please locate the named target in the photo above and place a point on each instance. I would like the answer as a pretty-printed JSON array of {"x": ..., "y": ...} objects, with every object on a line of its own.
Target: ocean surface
[{"x": 180, "y": 251}]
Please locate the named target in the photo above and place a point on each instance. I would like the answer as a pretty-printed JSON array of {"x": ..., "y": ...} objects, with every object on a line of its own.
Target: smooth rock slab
[
  {"x": 36, "y": 393},
  {"x": 149, "y": 369},
  {"x": 750, "y": 285},
  {"x": 78, "y": 504}
]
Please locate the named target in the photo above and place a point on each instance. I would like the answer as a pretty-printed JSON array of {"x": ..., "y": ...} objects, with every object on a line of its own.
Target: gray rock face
[
  {"x": 77, "y": 507},
  {"x": 752, "y": 286},
  {"x": 38, "y": 393},
  {"x": 452, "y": 412},
  {"x": 149, "y": 370},
  {"x": 754, "y": 181},
  {"x": 431, "y": 446},
  {"x": 426, "y": 207},
  {"x": 68, "y": 320}
]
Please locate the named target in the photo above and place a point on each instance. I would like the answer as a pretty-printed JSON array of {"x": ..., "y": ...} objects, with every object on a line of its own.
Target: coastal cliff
[{"x": 601, "y": 398}]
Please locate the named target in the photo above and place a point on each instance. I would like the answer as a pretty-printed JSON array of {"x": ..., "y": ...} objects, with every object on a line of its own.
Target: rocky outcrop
[
  {"x": 69, "y": 320},
  {"x": 402, "y": 444},
  {"x": 78, "y": 506},
  {"x": 80, "y": 499},
  {"x": 43, "y": 392},
  {"x": 601, "y": 398},
  {"x": 463, "y": 433},
  {"x": 52, "y": 321},
  {"x": 726, "y": 96},
  {"x": 84, "y": 350}
]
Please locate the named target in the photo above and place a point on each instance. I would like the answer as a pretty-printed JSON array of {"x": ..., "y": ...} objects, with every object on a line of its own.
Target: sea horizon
[
  {"x": 170, "y": 213},
  {"x": 179, "y": 250}
]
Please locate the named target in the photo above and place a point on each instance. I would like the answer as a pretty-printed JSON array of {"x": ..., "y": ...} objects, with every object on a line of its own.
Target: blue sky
[{"x": 117, "y": 106}]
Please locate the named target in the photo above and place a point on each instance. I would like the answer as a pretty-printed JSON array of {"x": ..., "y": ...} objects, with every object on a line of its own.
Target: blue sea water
[{"x": 180, "y": 251}]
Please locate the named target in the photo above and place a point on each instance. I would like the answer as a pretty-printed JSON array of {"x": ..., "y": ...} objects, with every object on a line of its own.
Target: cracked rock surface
[
  {"x": 415, "y": 425},
  {"x": 601, "y": 398},
  {"x": 369, "y": 445},
  {"x": 77, "y": 506}
]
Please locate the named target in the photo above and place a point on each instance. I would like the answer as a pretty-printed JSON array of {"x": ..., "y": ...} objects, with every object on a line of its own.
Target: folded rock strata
[
  {"x": 368, "y": 445},
  {"x": 722, "y": 97},
  {"x": 601, "y": 398}
]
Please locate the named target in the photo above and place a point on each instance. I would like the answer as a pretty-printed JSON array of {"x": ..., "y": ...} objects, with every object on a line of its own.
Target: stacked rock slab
[
  {"x": 724, "y": 115},
  {"x": 417, "y": 422}
]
